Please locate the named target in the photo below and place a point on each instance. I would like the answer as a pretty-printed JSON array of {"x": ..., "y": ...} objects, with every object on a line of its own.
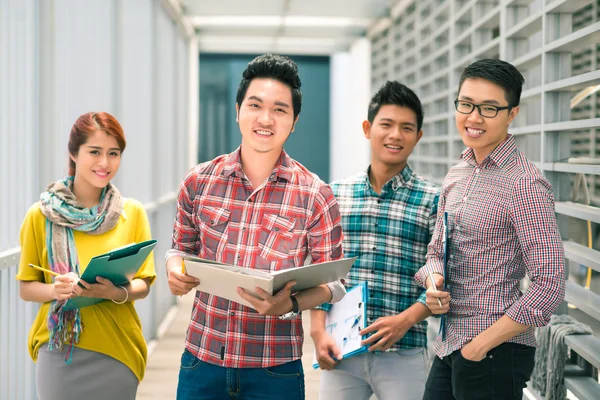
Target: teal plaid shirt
[{"x": 389, "y": 234}]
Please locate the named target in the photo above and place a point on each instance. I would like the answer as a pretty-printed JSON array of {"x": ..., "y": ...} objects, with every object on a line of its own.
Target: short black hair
[
  {"x": 503, "y": 74},
  {"x": 280, "y": 68},
  {"x": 395, "y": 93}
]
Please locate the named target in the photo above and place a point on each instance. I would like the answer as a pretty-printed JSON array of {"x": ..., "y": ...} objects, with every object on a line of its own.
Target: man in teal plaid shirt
[{"x": 388, "y": 216}]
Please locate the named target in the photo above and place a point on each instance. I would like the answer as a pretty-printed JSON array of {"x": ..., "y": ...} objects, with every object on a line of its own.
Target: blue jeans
[{"x": 199, "y": 380}]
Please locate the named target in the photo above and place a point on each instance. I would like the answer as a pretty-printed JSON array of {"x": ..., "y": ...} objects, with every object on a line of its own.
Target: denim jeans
[
  {"x": 390, "y": 375},
  {"x": 501, "y": 375},
  {"x": 199, "y": 380}
]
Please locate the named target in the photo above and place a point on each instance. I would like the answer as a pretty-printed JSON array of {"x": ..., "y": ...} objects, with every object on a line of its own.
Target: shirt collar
[
  {"x": 284, "y": 168},
  {"x": 499, "y": 156},
  {"x": 397, "y": 181}
]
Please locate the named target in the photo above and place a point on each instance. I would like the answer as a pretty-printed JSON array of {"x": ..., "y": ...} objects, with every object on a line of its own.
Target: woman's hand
[
  {"x": 64, "y": 286},
  {"x": 103, "y": 289}
]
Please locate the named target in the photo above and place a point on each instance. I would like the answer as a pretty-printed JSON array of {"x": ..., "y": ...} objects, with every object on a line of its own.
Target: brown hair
[{"x": 89, "y": 123}]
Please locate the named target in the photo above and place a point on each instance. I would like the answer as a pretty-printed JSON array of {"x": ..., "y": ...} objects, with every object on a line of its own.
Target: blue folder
[
  {"x": 346, "y": 318},
  {"x": 118, "y": 265},
  {"x": 445, "y": 246}
]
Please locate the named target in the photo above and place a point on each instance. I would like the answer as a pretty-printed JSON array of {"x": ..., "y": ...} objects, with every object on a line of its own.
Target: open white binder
[{"x": 223, "y": 279}]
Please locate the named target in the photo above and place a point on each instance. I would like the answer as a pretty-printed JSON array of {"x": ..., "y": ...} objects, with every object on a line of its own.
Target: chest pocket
[
  {"x": 213, "y": 227},
  {"x": 276, "y": 237}
]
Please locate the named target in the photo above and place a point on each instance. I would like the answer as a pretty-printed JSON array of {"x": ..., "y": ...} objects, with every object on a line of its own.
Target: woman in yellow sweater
[{"x": 96, "y": 352}]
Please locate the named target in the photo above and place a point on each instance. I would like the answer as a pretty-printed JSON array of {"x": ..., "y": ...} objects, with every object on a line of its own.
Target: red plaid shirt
[
  {"x": 501, "y": 225},
  {"x": 220, "y": 217}
]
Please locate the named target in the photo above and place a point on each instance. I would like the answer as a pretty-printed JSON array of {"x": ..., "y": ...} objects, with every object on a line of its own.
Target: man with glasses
[{"x": 501, "y": 226}]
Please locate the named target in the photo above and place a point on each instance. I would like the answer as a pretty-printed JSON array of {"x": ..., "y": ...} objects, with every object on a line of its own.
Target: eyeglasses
[{"x": 485, "y": 110}]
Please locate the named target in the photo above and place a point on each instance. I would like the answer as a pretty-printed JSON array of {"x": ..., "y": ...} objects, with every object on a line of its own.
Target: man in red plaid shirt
[
  {"x": 256, "y": 208},
  {"x": 501, "y": 226}
]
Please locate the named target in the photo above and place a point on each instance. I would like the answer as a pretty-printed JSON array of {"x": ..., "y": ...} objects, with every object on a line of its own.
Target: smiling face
[
  {"x": 393, "y": 135},
  {"x": 97, "y": 161},
  {"x": 266, "y": 116},
  {"x": 481, "y": 134}
]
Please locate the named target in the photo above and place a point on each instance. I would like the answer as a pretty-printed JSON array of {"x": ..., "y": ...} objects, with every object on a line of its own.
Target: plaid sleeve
[
  {"x": 325, "y": 232},
  {"x": 325, "y": 228},
  {"x": 534, "y": 220},
  {"x": 185, "y": 230}
]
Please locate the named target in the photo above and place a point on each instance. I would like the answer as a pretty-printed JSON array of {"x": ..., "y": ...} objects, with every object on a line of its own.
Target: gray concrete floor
[{"x": 162, "y": 369}]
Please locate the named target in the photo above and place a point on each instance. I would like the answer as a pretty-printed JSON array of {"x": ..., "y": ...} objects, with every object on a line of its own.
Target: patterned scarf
[{"x": 63, "y": 214}]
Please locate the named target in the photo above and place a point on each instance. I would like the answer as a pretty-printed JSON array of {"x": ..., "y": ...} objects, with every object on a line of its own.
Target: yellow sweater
[{"x": 108, "y": 328}]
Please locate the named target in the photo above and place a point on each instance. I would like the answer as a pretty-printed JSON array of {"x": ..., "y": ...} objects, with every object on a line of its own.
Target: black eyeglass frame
[{"x": 478, "y": 106}]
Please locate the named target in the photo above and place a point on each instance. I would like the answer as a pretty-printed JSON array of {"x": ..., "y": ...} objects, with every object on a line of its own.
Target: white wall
[{"x": 350, "y": 95}]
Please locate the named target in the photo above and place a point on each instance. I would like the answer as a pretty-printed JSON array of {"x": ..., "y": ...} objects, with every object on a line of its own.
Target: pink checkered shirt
[
  {"x": 277, "y": 226},
  {"x": 501, "y": 226}
]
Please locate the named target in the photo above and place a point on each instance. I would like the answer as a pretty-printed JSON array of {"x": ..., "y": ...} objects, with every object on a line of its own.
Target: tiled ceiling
[{"x": 311, "y": 27}]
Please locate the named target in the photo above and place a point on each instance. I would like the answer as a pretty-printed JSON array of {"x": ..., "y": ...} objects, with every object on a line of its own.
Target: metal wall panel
[{"x": 554, "y": 43}]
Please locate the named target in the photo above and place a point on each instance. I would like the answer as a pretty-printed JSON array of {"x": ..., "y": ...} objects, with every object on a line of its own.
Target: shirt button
[
  {"x": 465, "y": 198},
  {"x": 376, "y": 225},
  {"x": 212, "y": 222},
  {"x": 249, "y": 200},
  {"x": 239, "y": 257},
  {"x": 378, "y": 200},
  {"x": 276, "y": 229},
  {"x": 372, "y": 271},
  {"x": 477, "y": 170},
  {"x": 374, "y": 248},
  {"x": 232, "y": 313},
  {"x": 272, "y": 176},
  {"x": 244, "y": 228},
  {"x": 371, "y": 294}
]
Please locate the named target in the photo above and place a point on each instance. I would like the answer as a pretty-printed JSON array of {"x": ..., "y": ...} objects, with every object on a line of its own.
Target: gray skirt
[{"x": 91, "y": 376}]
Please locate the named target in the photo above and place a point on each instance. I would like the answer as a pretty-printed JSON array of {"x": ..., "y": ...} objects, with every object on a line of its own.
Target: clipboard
[
  {"x": 344, "y": 321},
  {"x": 223, "y": 280},
  {"x": 119, "y": 266}
]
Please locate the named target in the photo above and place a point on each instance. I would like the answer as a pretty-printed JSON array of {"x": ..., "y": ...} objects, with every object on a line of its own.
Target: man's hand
[
  {"x": 325, "y": 348},
  {"x": 277, "y": 304},
  {"x": 180, "y": 283},
  {"x": 435, "y": 297},
  {"x": 388, "y": 331},
  {"x": 64, "y": 286},
  {"x": 469, "y": 352},
  {"x": 103, "y": 289}
]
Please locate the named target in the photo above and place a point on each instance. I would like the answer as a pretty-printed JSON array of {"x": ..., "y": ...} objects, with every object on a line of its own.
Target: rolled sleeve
[
  {"x": 324, "y": 307},
  {"x": 185, "y": 232},
  {"x": 325, "y": 229},
  {"x": 338, "y": 291},
  {"x": 176, "y": 253},
  {"x": 532, "y": 213},
  {"x": 325, "y": 239},
  {"x": 434, "y": 265}
]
